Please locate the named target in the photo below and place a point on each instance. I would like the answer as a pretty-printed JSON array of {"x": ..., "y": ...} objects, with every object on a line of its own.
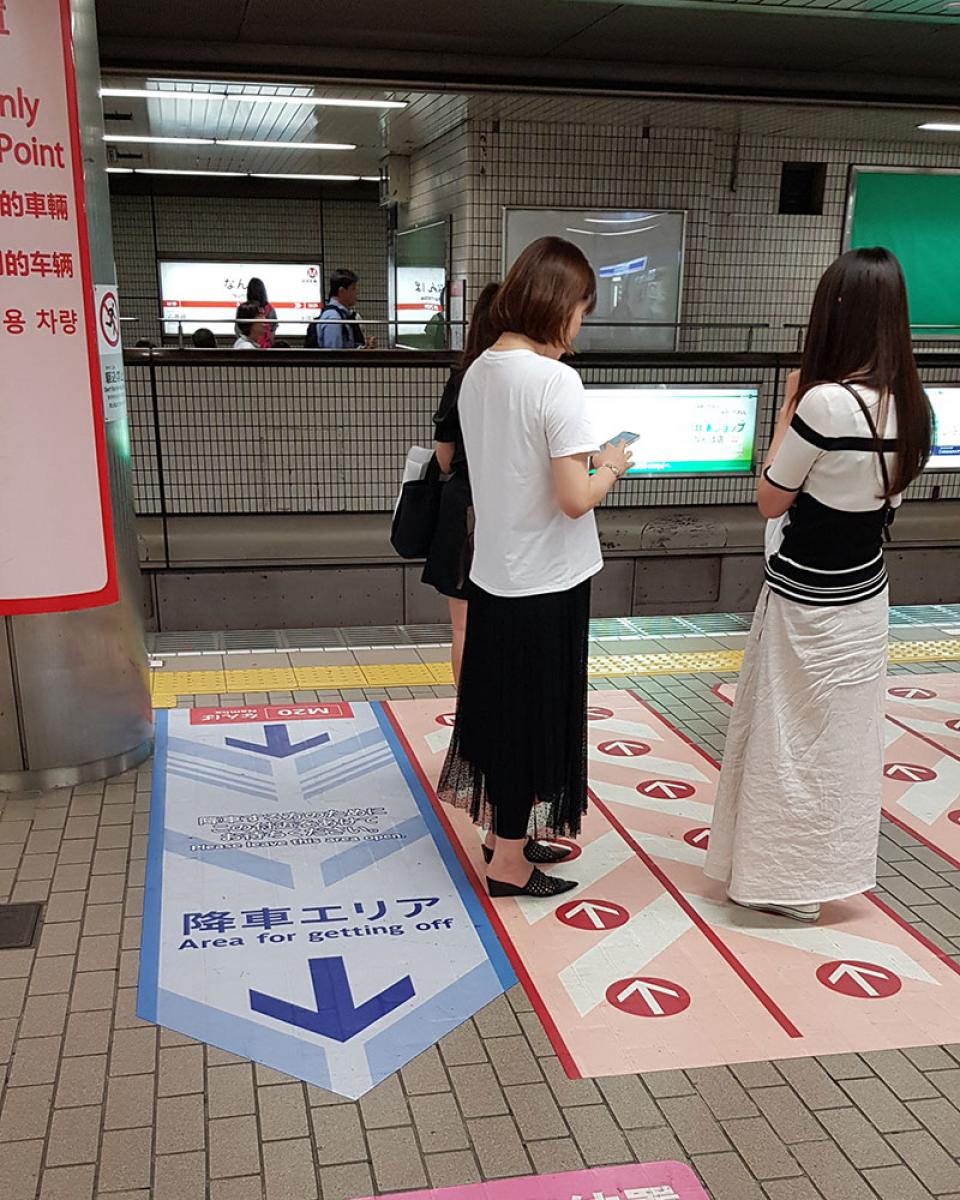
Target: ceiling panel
[
  {"x": 181, "y": 20},
  {"x": 482, "y": 27},
  {"x": 912, "y": 10}
]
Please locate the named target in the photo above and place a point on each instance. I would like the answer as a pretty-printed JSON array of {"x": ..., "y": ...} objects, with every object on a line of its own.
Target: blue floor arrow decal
[
  {"x": 336, "y": 1015},
  {"x": 278, "y": 744},
  {"x": 330, "y": 933}
]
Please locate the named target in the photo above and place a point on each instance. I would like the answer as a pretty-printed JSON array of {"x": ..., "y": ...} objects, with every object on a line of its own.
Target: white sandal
[{"x": 808, "y": 913}]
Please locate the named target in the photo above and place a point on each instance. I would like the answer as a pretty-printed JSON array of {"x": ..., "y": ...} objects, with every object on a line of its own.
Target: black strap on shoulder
[{"x": 888, "y": 511}]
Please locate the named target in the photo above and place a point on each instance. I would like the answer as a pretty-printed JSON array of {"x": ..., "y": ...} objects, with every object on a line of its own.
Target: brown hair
[
  {"x": 541, "y": 291},
  {"x": 859, "y": 331},
  {"x": 481, "y": 334}
]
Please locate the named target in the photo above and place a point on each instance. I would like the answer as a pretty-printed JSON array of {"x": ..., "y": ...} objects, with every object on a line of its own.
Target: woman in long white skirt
[{"x": 797, "y": 816}]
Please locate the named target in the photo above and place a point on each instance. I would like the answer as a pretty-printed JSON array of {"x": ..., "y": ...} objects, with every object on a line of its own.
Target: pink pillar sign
[
  {"x": 636, "y": 1181},
  {"x": 56, "y": 540}
]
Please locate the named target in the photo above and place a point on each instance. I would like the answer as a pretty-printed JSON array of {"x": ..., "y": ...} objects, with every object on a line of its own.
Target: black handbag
[{"x": 417, "y": 514}]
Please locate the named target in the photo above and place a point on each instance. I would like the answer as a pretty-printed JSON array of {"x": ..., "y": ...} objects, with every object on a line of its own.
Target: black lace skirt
[{"x": 520, "y": 737}]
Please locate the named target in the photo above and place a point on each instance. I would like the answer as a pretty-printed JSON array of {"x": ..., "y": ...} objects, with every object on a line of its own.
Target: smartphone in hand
[{"x": 626, "y": 436}]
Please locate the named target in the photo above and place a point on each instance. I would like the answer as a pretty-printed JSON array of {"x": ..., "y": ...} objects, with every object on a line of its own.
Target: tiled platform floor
[{"x": 97, "y": 1104}]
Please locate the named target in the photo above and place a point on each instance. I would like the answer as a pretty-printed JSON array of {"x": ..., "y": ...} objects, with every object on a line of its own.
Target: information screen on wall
[
  {"x": 946, "y": 417},
  {"x": 678, "y": 430},
  {"x": 638, "y": 258},
  {"x": 421, "y": 305},
  {"x": 199, "y": 294},
  {"x": 913, "y": 213}
]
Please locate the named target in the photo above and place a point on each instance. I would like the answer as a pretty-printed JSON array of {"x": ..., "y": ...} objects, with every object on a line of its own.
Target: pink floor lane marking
[
  {"x": 921, "y": 787},
  {"x": 685, "y": 979}
]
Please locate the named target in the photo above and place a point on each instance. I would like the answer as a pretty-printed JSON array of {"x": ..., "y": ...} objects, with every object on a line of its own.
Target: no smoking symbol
[
  {"x": 624, "y": 749},
  {"x": 909, "y": 772},
  {"x": 861, "y": 980}
]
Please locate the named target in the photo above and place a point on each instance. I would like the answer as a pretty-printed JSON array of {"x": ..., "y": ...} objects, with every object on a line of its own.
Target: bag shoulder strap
[{"x": 875, "y": 434}]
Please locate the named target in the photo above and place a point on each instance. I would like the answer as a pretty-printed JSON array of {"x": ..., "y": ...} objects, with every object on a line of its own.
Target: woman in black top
[{"x": 448, "y": 561}]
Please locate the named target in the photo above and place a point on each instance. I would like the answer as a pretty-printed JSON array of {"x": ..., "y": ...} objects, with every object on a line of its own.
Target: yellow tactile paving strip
[{"x": 168, "y": 685}]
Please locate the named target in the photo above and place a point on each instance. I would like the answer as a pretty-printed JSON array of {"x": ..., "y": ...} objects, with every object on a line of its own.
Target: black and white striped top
[{"x": 828, "y": 549}]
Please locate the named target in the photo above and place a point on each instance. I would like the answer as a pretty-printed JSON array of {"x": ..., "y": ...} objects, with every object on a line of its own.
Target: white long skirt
[{"x": 797, "y": 818}]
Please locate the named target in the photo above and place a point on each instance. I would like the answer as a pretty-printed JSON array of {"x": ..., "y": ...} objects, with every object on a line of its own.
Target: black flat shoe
[
  {"x": 537, "y": 885},
  {"x": 536, "y": 852}
]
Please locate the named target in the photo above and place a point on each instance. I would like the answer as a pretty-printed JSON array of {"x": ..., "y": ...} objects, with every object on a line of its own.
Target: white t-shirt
[
  {"x": 243, "y": 343},
  {"x": 518, "y": 411}
]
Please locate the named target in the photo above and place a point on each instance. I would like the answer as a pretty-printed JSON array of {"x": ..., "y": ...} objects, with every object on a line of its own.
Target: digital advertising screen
[
  {"x": 637, "y": 256},
  {"x": 945, "y": 402},
  {"x": 677, "y": 430},
  {"x": 202, "y": 294}
]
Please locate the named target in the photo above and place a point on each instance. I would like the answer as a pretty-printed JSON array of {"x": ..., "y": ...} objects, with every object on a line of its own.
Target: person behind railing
[
  {"x": 518, "y": 753},
  {"x": 337, "y": 327},
  {"x": 204, "y": 339},
  {"x": 257, "y": 294},
  {"x": 797, "y": 818},
  {"x": 448, "y": 562},
  {"x": 249, "y": 326}
]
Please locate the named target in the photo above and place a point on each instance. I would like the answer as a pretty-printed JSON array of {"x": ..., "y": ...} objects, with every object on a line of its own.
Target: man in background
[{"x": 337, "y": 327}]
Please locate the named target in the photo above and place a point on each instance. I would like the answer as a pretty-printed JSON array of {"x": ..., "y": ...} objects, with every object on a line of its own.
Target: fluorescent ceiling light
[
  {"x": 298, "y": 175},
  {"x": 235, "y": 174},
  {"x": 173, "y": 141},
  {"x": 194, "y": 141},
  {"x": 940, "y": 127},
  {"x": 286, "y": 145},
  {"x": 370, "y": 178},
  {"x": 248, "y": 98},
  {"x": 171, "y": 171}
]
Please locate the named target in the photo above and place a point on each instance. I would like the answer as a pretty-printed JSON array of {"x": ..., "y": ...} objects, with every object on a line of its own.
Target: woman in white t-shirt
[
  {"x": 797, "y": 816},
  {"x": 518, "y": 756}
]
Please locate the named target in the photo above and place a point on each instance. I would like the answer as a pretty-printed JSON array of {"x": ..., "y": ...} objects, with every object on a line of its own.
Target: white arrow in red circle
[
  {"x": 954, "y": 725},
  {"x": 866, "y": 981},
  {"x": 665, "y": 789},
  {"x": 599, "y": 714},
  {"x": 624, "y": 749},
  {"x": 558, "y": 843},
  {"x": 954, "y": 816},
  {"x": 698, "y": 837},
  {"x": 592, "y": 914},
  {"x": 448, "y": 719},
  {"x": 912, "y": 693},
  {"x": 648, "y": 997},
  {"x": 909, "y": 772}
]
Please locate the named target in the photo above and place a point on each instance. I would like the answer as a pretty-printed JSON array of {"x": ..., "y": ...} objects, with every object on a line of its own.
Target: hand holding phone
[{"x": 626, "y": 437}]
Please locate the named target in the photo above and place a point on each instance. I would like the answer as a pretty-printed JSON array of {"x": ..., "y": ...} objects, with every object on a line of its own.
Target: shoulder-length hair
[
  {"x": 542, "y": 289},
  {"x": 481, "y": 333},
  {"x": 859, "y": 332}
]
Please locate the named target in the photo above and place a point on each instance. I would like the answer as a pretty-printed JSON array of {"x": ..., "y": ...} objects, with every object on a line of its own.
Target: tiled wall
[
  {"x": 744, "y": 262},
  {"x": 335, "y": 233},
  {"x": 274, "y": 438},
  {"x": 286, "y": 439}
]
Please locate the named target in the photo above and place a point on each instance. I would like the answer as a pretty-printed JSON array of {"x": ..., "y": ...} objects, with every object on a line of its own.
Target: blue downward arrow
[
  {"x": 278, "y": 744},
  {"x": 336, "y": 1015}
]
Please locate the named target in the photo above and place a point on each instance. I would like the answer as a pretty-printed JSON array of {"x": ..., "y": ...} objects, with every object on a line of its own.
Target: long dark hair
[
  {"x": 481, "y": 333},
  {"x": 257, "y": 292},
  {"x": 859, "y": 331}
]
